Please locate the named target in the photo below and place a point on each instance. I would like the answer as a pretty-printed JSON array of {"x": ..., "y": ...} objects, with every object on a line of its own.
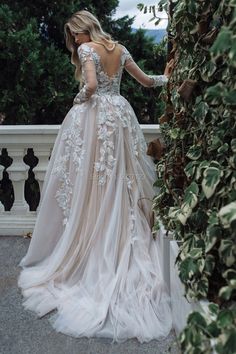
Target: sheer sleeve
[
  {"x": 89, "y": 77},
  {"x": 146, "y": 80}
]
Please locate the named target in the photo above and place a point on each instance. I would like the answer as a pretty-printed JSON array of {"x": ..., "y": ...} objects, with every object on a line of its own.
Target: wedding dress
[{"x": 92, "y": 256}]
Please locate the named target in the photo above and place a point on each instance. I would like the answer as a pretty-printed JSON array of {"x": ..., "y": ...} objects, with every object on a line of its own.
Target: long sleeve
[
  {"x": 89, "y": 77},
  {"x": 146, "y": 80}
]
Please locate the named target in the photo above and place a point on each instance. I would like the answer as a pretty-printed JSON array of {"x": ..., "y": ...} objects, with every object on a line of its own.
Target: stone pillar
[
  {"x": 2, "y": 209},
  {"x": 42, "y": 153},
  {"x": 18, "y": 173}
]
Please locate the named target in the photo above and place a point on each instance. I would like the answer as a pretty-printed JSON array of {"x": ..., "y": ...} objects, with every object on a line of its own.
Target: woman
[{"x": 92, "y": 256}]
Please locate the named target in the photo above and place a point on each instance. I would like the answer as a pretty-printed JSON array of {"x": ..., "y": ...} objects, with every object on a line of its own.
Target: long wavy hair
[{"x": 84, "y": 21}]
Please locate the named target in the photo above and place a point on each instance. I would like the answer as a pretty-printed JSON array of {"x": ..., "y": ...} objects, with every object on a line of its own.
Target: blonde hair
[{"x": 84, "y": 21}]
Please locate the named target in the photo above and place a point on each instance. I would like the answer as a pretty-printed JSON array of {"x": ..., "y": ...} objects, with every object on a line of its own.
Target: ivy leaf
[
  {"x": 201, "y": 110},
  {"x": 194, "y": 152},
  {"x": 203, "y": 164},
  {"x": 227, "y": 252},
  {"x": 140, "y": 6},
  {"x": 223, "y": 148},
  {"x": 190, "y": 197},
  {"x": 195, "y": 318},
  {"x": 192, "y": 188},
  {"x": 201, "y": 264},
  {"x": 214, "y": 93},
  {"x": 213, "y": 329},
  {"x": 158, "y": 183},
  {"x": 213, "y": 308},
  {"x": 216, "y": 143},
  {"x": 196, "y": 253},
  {"x": 223, "y": 42},
  {"x": 190, "y": 168},
  {"x": 213, "y": 218},
  {"x": 209, "y": 264},
  {"x": 233, "y": 145},
  {"x": 229, "y": 274},
  {"x": 225, "y": 318},
  {"x": 174, "y": 133},
  {"x": 230, "y": 343},
  {"x": 230, "y": 98},
  {"x": 225, "y": 292},
  {"x": 208, "y": 70},
  {"x": 211, "y": 178},
  {"x": 227, "y": 214},
  {"x": 232, "y": 161},
  {"x": 187, "y": 268},
  {"x": 184, "y": 213},
  {"x": 201, "y": 286},
  {"x": 232, "y": 54},
  {"x": 213, "y": 233}
]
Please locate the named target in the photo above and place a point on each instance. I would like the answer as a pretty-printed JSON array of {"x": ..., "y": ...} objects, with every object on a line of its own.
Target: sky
[{"x": 129, "y": 7}]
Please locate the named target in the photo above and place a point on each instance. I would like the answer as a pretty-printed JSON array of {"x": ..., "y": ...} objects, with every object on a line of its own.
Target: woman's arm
[
  {"x": 88, "y": 74},
  {"x": 146, "y": 80}
]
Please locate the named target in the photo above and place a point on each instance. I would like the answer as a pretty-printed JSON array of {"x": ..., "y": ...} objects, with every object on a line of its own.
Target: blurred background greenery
[{"x": 37, "y": 78}]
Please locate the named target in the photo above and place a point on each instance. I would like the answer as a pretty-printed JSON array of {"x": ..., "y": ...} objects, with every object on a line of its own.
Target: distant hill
[{"x": 157, "y": 34}]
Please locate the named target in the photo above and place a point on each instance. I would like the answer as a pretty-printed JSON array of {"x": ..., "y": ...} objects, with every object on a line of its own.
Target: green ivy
[{"x": 197, "y": 173}]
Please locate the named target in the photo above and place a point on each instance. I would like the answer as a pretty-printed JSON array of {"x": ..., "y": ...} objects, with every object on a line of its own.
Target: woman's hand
[{"x": 169, "y": 68}]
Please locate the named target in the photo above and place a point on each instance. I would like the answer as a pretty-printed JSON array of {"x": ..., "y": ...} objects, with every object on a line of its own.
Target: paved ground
[{"x": 21, "y": 332}]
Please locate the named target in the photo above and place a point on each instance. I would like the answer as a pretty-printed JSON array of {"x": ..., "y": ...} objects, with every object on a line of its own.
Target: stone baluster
[
  {"x": 1, "y": 176},
  {"x": 42, "y": 153},
  {"x": 18, "y": 173}
]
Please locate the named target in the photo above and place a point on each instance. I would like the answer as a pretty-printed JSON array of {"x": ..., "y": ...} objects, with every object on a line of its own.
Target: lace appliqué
[
  {"x": 82, "y": 96},
  {"x": 105, "y": 129},
  {"x": 129, "y": 182},
  {"x": 158, "y": 80},
  {"x": 138, "y": 141},
  {"x": 85, "y": 54},
  {"x": 73, "y": 151}
]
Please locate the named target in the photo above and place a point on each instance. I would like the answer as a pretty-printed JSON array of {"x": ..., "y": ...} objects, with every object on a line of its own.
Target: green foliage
[
  {"x": 37, "y": 78},
  {"x": 197, "y": 173},
  {"x": 212, "y": 331}
]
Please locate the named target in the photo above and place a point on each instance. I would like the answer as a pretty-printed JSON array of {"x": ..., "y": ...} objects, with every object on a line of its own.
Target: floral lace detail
[
  {"x": 63, "y": 196},
  {"x": 139, "y": 143},
  {"x": 107, "y": 91},
  {"x": 129, "y": 182},
  {"x": 106, "y": 84},
  {"x": 85, "y": 55},
  {"x": 105, "y": 130},
  {"x": 158, "y": 80},
  {"x": 73, "y": 150}
]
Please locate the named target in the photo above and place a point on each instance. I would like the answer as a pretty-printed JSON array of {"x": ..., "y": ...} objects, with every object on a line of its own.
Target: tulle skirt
[{"x": 92, "y": 256}]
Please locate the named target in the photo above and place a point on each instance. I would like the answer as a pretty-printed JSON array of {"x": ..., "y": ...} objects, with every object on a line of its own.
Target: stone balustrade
[{"x": 19, "y": 220}]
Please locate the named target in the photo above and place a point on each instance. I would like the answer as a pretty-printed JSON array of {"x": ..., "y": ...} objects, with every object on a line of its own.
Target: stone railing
[{"x": 17, "y": 139}]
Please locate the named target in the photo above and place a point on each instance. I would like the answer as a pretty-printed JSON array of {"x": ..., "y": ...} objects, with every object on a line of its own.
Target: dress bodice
[
  {"x": 96, "y": 81},
  {"x": 106, "y": 84}
]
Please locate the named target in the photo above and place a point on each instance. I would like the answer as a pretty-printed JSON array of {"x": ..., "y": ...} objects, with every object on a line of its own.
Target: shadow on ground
[{"x": 21, "y": 332}]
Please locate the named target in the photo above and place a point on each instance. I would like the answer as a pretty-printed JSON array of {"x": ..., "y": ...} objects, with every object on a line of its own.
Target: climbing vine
[{"x": 197, "y": 170}]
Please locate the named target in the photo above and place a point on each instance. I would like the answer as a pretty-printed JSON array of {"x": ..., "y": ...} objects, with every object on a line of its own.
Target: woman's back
[
  {"x": 102, "y": 69},
  {"x": 110, "y": 60}
]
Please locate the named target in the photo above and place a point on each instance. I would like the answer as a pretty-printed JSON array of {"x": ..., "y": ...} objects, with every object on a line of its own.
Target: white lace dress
[{"x": 92, "y": 256}]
